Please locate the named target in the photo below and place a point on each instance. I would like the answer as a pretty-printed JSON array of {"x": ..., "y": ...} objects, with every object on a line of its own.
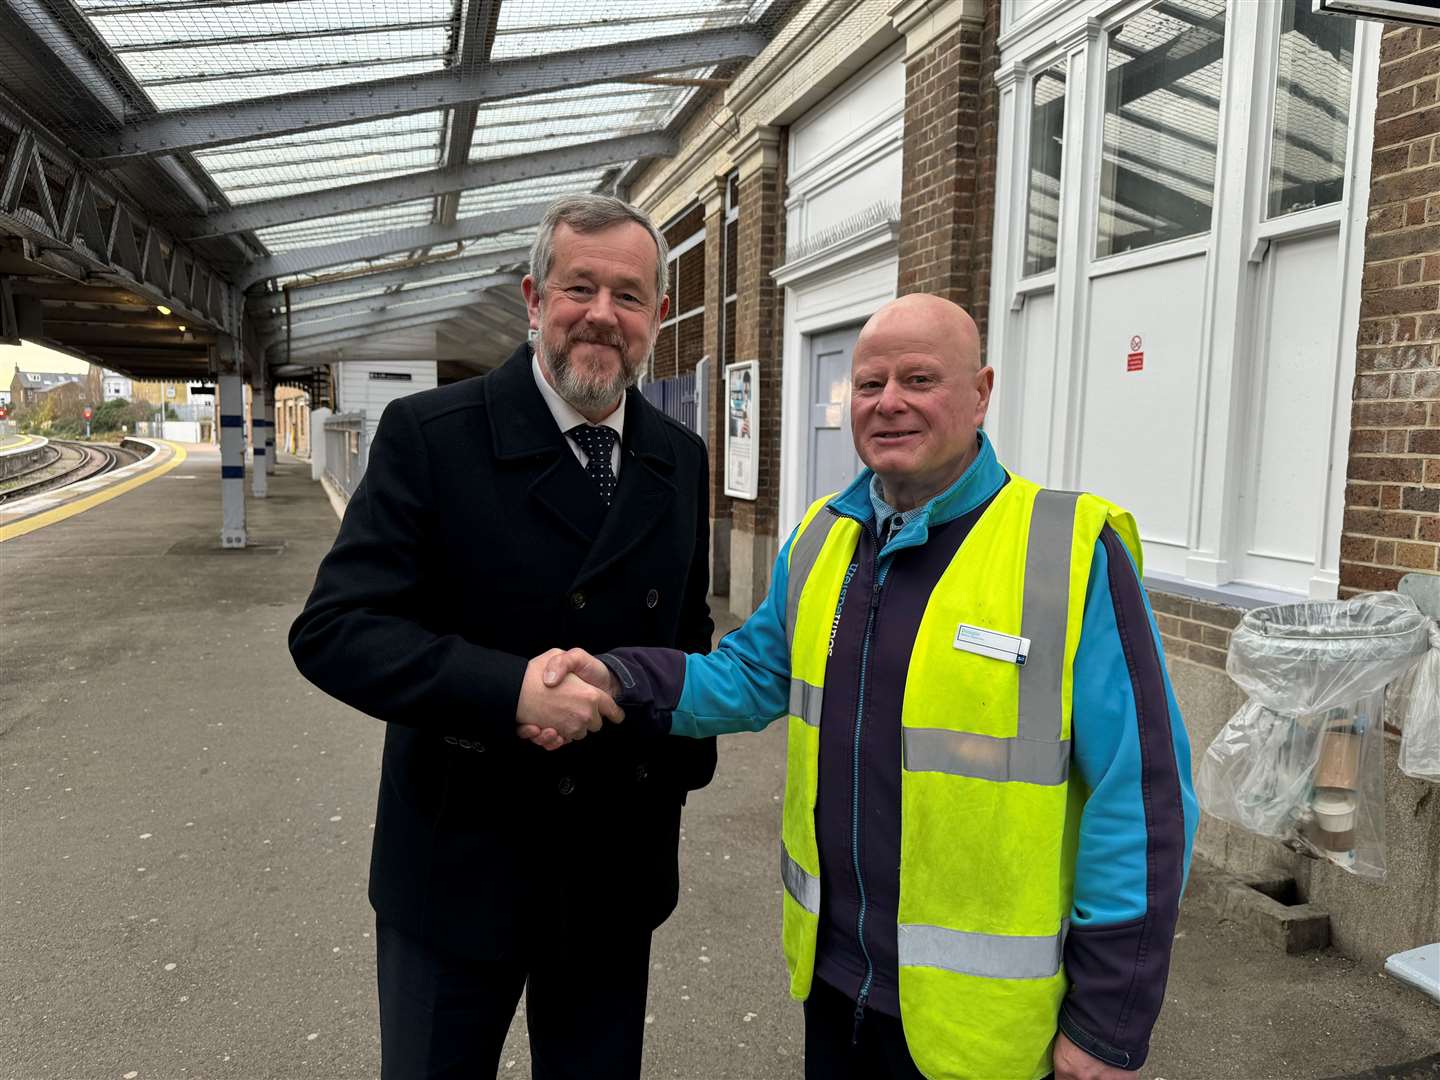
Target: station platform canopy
[{"x": 316, "y": 179}]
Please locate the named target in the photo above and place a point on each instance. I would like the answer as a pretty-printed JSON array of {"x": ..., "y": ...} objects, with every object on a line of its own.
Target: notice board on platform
[{"x": 742, "y": 429}]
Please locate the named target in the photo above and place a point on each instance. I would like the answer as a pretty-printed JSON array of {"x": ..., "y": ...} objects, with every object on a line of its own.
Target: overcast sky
[{"x": 34, "y": 357}]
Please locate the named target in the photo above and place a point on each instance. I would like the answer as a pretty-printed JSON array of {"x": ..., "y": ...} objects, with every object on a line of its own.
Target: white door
[{"x": 831, "y": 462}]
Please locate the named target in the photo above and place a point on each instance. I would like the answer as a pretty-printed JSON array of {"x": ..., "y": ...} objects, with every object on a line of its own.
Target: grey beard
[{"x": 583, "y": 394}]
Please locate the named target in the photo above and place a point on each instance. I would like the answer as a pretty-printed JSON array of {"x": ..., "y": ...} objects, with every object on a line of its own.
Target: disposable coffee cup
[
  {"x": 1339, "y": 764},
  {"x": 1335, "y": 818}
]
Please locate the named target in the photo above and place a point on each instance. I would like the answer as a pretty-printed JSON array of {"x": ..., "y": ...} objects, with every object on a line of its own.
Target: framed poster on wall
[{"x": 742, "y": 429}]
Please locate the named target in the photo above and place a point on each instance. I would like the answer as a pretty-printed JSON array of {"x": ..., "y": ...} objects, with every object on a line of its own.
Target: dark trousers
[
  {"x": 444, "y": 1017},
  {"x": 832, "y": 1051}
]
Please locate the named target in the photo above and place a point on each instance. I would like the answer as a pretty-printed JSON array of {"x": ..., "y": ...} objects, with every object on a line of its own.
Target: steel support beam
[
  {"x": 218, "y": 125},
  {"x": 100, "y": 232},
  {"x": 477, "y": 38},
  {"x": 55, "y": 37},
  {"x": 307, "y": 260},
  {"x": 308, "y": 318},
  {"x": 446, "y": 306},
  {"x": 376, "y": 327},
  {"x": 317, "y": 345},
  {"x": 374, "y": 193}
]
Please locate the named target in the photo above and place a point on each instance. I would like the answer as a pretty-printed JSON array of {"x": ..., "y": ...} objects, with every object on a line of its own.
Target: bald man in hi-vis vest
[{"x": 988, "y": 812}]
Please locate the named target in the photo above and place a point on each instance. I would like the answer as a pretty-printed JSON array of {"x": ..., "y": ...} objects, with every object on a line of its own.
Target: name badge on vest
[{"x": 992, "y": 643}]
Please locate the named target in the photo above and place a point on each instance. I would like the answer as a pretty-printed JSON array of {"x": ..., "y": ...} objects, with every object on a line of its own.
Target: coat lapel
[
  {"x": 527, "y": 441},
  {"x": 645, "y": 492}
]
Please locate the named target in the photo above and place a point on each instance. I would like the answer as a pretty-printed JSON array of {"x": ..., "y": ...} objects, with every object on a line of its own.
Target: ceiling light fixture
[{"x": 162, "y": 309}]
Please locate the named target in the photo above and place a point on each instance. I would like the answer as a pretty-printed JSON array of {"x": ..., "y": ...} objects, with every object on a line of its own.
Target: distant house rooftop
[{"x": 46, "y": 380}]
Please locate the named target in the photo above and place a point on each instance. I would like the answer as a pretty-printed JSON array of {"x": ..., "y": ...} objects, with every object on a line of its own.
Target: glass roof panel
[
  {"x": 529, "y": 27},
  {"x": 577, "y": 115},
  {"x": 198, "y": 95},
  {"x": 499, "y": 196},
  {"x": 332, "y": 230},
  {"x": 519, "y": 239},
  {"x": 140, "y": 23},
  {"x": 191, "y": 55},
  {"x": 313, "y": 160},
  {"x": 215, "y": 63}
]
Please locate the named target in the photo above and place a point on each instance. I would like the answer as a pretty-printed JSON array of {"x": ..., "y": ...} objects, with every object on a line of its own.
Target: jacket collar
[
  {"x": 522, "y": 425},
  {"x": 526, "y": 436},
  {"x": 982, "y": 479}
]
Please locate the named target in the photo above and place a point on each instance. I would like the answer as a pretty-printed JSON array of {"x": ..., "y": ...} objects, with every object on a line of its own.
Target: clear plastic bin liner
[
  {"x": 1303, "y": 761},
  {"x": 1420, "y": 743},
  {"x": 1305, "y": 658}
]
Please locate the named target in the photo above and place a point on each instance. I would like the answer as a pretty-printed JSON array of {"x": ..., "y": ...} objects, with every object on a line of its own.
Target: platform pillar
[
  {"x": 270, "y": 429},
  {"x": 232, "y": 461},
  {"x": 259, "y": 475}
]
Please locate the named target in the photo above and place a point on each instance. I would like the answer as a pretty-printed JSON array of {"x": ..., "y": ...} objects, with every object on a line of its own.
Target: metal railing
[
  {"x": 345, "y": 451},
  {"x": 681, "y": 398}
]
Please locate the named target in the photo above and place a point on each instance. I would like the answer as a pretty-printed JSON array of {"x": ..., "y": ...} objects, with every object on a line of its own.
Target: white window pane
[
  {"x": 1047, "y": 129},
  {"x": 1162, "y": 118},
  {"x": 1312, "y": 110}
]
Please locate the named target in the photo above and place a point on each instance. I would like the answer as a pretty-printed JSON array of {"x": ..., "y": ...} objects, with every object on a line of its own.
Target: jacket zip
[{"x": 874, "y": 606}]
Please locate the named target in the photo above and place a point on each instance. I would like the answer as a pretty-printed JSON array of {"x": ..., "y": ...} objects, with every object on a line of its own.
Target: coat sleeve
[
  {"x": 1136, "y": 832},
  {"x": 362, "y": 636},
  {"x": 744, "y": 685}
]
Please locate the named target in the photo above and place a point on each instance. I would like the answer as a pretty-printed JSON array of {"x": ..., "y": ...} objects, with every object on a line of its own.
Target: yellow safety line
[{"x": 79, "y": 506}]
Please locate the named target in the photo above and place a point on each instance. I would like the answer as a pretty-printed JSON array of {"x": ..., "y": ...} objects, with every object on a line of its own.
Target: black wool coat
[{"x": 475, "y": 541}]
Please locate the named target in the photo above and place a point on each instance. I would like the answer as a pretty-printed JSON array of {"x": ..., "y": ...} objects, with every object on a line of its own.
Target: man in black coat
[{"x": 543, "y": 504}]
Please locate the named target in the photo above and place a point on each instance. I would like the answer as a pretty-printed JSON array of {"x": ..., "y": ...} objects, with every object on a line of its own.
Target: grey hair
[{"x": 591, "y": 214}]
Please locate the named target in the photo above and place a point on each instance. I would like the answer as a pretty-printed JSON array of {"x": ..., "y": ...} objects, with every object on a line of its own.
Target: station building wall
[
  {"x": 1241, "y": 230},
  {"x": 827, "y": 173},
  {"x": 369, "y": 385}
]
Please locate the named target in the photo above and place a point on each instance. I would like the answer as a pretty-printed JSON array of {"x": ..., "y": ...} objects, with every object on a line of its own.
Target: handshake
[{"x": 564, "y": 697}]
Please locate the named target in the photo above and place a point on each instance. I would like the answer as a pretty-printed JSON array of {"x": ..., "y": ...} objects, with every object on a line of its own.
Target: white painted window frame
[{"x": 1236, "y": 245}]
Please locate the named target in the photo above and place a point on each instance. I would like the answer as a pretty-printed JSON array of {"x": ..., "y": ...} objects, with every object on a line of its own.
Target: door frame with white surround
[{"x": 840, "y": 265}]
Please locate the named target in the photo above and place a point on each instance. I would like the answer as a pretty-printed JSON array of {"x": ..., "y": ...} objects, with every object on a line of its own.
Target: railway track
[{"x": 71, "y": 463}]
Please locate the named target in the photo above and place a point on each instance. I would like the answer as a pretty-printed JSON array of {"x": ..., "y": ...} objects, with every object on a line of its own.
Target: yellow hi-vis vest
[{"x": 989, "y": 820}]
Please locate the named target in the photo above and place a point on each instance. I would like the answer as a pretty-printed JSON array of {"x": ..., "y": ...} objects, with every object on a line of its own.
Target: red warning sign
[{"x": 1135, "y": 358}]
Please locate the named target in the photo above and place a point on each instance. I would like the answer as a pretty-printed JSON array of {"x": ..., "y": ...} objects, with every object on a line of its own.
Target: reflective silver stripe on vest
[
  {"x": 1037, "y": 755},
  {"x": 964, "y": 753},
  {"x": 803, "y": 553},
  {"x": 805, "y": 701},
  {"x": 1046, "y": 611},
  {"x": 992, "y": 956},
  {"x": 803, "y": 888}
]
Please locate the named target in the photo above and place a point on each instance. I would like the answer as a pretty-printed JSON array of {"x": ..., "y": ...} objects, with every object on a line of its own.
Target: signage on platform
[{"x": 742, "y": 429}]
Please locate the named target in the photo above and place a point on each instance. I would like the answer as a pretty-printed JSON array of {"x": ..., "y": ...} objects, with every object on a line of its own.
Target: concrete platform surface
[{"x": 186, "y": 833}]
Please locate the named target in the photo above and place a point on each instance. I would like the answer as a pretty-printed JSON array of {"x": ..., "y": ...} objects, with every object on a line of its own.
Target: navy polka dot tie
[{"x": 597, "y": 441}]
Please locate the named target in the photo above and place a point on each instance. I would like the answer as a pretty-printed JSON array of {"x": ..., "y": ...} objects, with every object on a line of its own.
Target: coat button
[
  {"x": 566, "y": 785},
  {"x": 577, "y": 600},
  {"x": 652, "y": 598}
]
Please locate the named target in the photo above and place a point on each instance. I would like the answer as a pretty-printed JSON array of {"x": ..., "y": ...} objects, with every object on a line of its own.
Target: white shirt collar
[{"x": 566, "y": 415}]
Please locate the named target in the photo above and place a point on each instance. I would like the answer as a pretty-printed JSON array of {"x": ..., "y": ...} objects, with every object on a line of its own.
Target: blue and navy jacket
[{"x": 1129, "y": 745}]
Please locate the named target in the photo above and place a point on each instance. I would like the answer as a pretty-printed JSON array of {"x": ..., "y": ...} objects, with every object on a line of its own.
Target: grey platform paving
[{"x": 186, "y": 829}]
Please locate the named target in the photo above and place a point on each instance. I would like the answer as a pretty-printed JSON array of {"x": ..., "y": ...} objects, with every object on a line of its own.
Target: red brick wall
[
  {"x": 715, "y": 257},
  {"x": 679, "y": 346},
  {"x": 759, "y": 323},
  {"x": 948, "y": 196},
  {"x": 984, "y": 236},
  {"x": 1392, "y": 498}
]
